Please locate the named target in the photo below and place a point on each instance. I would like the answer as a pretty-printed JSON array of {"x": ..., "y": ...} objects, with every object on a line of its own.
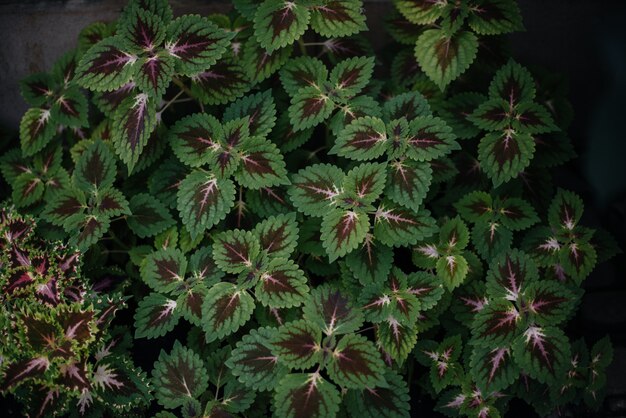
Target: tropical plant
[{"x": 301, "y": 227}]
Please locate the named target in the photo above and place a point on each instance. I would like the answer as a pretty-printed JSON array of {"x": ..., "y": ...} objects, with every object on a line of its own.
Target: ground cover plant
[{"x": 300, "y": 225}]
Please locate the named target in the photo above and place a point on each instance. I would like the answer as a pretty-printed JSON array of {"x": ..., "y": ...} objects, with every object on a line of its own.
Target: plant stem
[{"x": 171, "y": 101}]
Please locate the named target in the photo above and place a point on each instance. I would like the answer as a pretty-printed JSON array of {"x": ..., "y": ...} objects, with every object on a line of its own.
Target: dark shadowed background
[{"x": 582, "y": 41}]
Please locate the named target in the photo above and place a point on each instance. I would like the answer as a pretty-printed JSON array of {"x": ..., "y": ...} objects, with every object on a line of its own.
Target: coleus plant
[
  {"x": 303, "y": 233},
  {"x": 58, "y": 351}
]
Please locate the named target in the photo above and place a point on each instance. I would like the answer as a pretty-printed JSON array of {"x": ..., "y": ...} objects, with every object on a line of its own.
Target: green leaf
[
  {"x": 492, "y": 115},
  {"x": 396, "y": 339},
  {"x": 389, "y": 401},
  {"x": 279, "y": 23},
  {"x": 28, "y": 188},
  {"x": 111, "y": 203},
  {"x": 222, "y": 83},
  {"x": 452, "y": 269},
  {"x": 95, "y": 170},
  {"x": 178, "y": 376},
  {"x": 493, "y": 367},
  {"x": 364, "y": 184},
  {"x": 351, "y": 76},
  {"x": 106, "y": 66},
  {"x": 298, "y": 344},
  {"x": 543, "y": 353},
  {"x": 338, "y": 18},
  {"x": 303, "y": 72},
  {"x": 236, "y": 251},
  {"x": 491, "y": 238},
  {"x": 149, "y": 216},
  {"x": 260, "y": 63},
  {"x": 455, "y": 110},
  {"x": 306, "y": 395},
  {"x": 513, "y": 83},
  {"x": 494, "y": 17},
  {"x": 37, "y": 128},
  {"x": 371, "y": 261},
  {"x": 408, "y": 105},
  {"x": 309, "y": 107},
  {"x": 164, "y": 270},
  {"x": 196, "y": 139},
  {"x": 565, "y": 210},
  {"x": 509, "y": 275},
  {"x": 64, "y": 207},
  {"x": 443, "y": 362},
  {"x": 133, "y": 123},
  {"x": 342, "y": 231},
  {"x": 37, "y": 89},
  {"x": 262, "y": 165},
  {"x": 363, "y": 139},
  {"x": 153, "y": 73},
  {"x": 87, "y": 230},
  {"x": 549, "y": 302},
  {"x": 578, "y": 259},
  {"x": 397, "y": 226},
  {"x": 443, "y": 57},
  {"x": 190, "y": 303},
  {"x": 421, "y": 12},
  {"x": 503, "y": 155},
  {"x": 281, "y": 285},
  {"x": 476, "y": 206},
  {"x": 316, "y": 189},
  {"x": 204, "y": 200},
  {"x": 253, "y": 362},
  {"x": 156, "y": 315},
  {"x": 70, "y": 108},
  {"x": 498, "y": 323},
  {"x": 226, "y": 308},
  {"x": 356, "y": 363},
  {"x": 195, "y": 43},
  {"x": 517, "y": 214},
  {"x": 259, "y": 108},
  {"x": 533, "y": 118},
  {"x": 408, "y": 182},
  {"x": 278, "y": 235},
  {"x": 331, "y": 311},
  {"x": 430, "y": 138}
]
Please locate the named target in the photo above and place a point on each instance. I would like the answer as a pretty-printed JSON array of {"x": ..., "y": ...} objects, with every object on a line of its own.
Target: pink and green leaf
[
  {"x": 282, "y": 284},
  {"x": 279, "y": 23},
  {"x": 149, "y": 215},
  {"x": 298, "y": 344},
  {"x": 349, "y": 77},
  {"x": 510, "y": 274},
  {"x": 363, "y": 139},
  {"x": 262, "y": 165},
  {"x": 493, "y": 368},
  {"x": 226, "y": 308},
  {"x": 513, "y": 83},
  {"x": 253, "y": 362},
  {"x": 543, "y": 353},
  {"x": 356, "y": 363},
  {"x": 445, "y": 57},
  {"x": 196, "y": 138},
  {"x": 504, "y": 155},
  {"x": 196, "y": 43},
  {"x": 178, "y": 375},
  {"x": 260, "y": 110},
  {"x": 316, "y": 189},
  {"x": 156, "y": 315},
  {"x": 278, "y": 235},
  {"x": 37, "y": 128},
  {"x": 306, "y": 395},
  {"x": 430, "y": 138},
  {"x": 331, "y": 311},
  {"x": 106, "y": 66},
  {"x": 494, "y": 17},
  {"x": 408, "y": 182},
  {"x": 222, "y": 83},
  {"x": 204, "y": 200},
  {"x": 133, "y": 123},
  {"x": 371, "y": 261},
  {"x": 338, "y": 18},
  {"x": 164, "y": 270},
  {"x": 96, "y": 169},
  {"x": 398, "y": 226},
  {"x": 343, "y": 231},
  {"x": 565, "y": 210},
  {"x": 236, "y": 251},
  {"x": 303, "y": 72},
  {"x": 309, "y": 107}
]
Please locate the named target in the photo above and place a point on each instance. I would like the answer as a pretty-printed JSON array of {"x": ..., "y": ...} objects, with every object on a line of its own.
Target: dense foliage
[{"x": 304, "y": 228}]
